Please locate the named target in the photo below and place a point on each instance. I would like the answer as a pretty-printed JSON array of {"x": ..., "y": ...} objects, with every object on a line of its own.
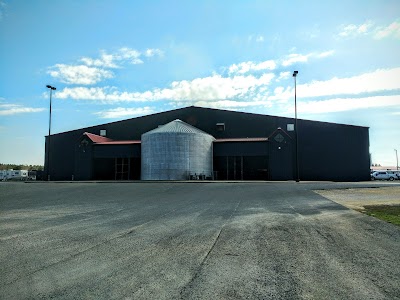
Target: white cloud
[
  {"x": 249, "y": 66},
  {"x": 214, "y": 87},
  {"x": 105, "y": 61},
  {"x": 259, "y": 39},
  {"x": 3, "y": 9},
  {"x": 256, "y": 37},
  {"x": 346, "y": 104},
  {"x": 153, "y": 52},
  {"x": 13, "y": 109},
  {"x": 325, "y": 54},
  {"x": 376, "y": 81},
  {"x": 5, "y": 105},
  {"x": 128, "y": 54},
  {"x": 391, "y": 30},
  {"x": 200, "y": 89},
  {"x": 80, "y": 74},
  {"x": 295, "y": 57},
  {"x": 94, "y": 70},
  {"x": 311, "y": 33},
  {"x": 103, "y": 94},
  {"x": 369, "y": 28},
  {"x": 352, "y": 30},
  {"x": 239, "y": 91},
  {"x": 282, "y": 94},
  {"x": 120, "y": 112},
  {"x": 379, "y": 80},
  {"x": 229, "y": 104},
  {"x": 283, "y": 75},
  {"x": 122, "y": 55}
]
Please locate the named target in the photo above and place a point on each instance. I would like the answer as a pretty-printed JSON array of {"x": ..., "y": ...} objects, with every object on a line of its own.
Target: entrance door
[
  {"x": 241, "y": 167},
  {"x": 122, "y": 168},
  {"x": 281, "y": 159},
  {"x": 234, "y": 167}
]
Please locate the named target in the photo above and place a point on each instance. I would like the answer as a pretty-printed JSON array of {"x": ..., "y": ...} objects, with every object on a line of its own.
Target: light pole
[
  {"x": 52, "y": 88},
  {"x": 397, "y": 160},
  {"x": 295, "y": 127}
]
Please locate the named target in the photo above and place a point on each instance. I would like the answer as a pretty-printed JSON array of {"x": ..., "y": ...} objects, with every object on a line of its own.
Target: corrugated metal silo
[{"x": 175, "y": 151}]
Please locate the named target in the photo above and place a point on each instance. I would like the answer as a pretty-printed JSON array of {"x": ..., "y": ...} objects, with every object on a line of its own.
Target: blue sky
[{"x": 113, "y": 60}]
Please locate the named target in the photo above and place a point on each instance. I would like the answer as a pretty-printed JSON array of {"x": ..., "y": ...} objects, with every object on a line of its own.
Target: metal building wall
[
  {"x": 327, "y": 151},
  {"x": 333, "y": 152}
]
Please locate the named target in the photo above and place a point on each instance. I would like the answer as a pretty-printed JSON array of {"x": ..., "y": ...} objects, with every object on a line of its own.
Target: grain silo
[{"x": 175, "y": 151}]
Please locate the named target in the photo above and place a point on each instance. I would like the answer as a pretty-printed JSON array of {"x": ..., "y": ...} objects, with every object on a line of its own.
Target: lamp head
[
  {"x": 48, "y": 86},
  {"x": 295, "y": 73}
]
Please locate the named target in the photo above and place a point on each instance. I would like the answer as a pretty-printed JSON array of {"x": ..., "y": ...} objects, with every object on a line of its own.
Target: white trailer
[{"x": 15, "y": 175}]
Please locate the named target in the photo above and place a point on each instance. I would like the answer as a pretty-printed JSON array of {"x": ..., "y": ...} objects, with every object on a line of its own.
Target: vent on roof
[
  {"x": 220, "y": 126},
  {"x": 103, "y": 132}
]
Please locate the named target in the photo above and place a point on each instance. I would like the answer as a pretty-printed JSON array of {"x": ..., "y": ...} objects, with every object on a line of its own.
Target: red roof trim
[
  {"x": 101, "y": 140},
  {"x": 263, "y": 139},
  {"x": 119, "y": 143},
  {"x": 96, "y": 138}
]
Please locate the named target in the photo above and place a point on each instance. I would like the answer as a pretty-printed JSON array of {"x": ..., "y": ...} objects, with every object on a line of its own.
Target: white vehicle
[
  {"x": 15, "y": 175},
  {"x": 395, "y": 173},
  {"x": 383, "y": 175}
]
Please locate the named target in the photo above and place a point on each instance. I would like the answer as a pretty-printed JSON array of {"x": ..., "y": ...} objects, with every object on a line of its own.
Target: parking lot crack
[{"x": 204, "y": 260}]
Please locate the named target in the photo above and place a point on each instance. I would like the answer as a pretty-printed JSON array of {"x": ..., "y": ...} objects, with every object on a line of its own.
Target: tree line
[{"x": 21, "y": 167}]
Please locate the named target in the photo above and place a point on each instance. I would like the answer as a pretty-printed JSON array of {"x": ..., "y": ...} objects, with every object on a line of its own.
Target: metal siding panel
[
  {"x": 112, "y": 151},
  {"x": 241, "y": 149},
  {"x": 333, "y": 152}
]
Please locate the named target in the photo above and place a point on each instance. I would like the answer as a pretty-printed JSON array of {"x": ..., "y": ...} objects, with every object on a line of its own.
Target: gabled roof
[
  {"x": 96, "y": 138},
  {"x": 194, "y": 111},
  {"x": 280, "y": 130}
]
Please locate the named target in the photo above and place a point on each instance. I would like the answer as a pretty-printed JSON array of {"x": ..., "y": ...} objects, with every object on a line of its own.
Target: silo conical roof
[{"x": 176, "y": 126}]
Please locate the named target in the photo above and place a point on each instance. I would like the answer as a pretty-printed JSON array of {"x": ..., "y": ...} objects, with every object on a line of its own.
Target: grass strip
[{"x": 388, "y": 213}]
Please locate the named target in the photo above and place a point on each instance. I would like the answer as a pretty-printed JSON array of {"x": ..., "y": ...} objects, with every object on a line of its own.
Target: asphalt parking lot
[{"x": 251, "y": 240}]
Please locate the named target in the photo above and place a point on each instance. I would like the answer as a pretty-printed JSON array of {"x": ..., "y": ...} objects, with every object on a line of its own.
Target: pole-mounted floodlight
[
  {"x": 52, "y": 88},
  {"x": 295, "y": 125}
]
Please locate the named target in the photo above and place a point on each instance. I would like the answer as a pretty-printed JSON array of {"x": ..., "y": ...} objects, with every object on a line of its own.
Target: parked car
[
  {"x": 383, "y": 175},
  {"x": 395, "y": 173}
]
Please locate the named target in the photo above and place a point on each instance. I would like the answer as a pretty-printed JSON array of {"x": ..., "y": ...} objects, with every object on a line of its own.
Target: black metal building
[{"x": 247, "y": 147}]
